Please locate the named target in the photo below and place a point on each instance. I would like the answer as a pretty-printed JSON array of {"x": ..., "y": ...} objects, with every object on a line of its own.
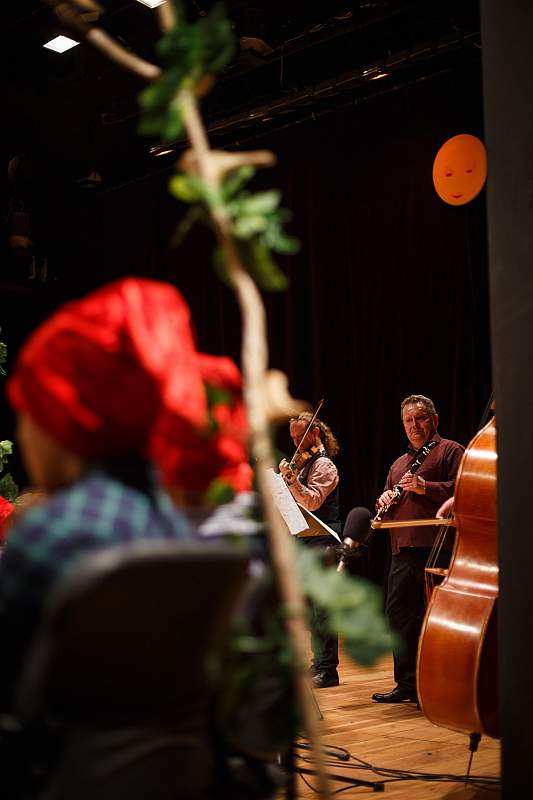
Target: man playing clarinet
[{"x": 417, "y": 484}]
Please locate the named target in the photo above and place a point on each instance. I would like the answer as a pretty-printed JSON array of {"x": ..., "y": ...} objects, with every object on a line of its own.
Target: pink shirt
[{"x": 322, "y": 479}]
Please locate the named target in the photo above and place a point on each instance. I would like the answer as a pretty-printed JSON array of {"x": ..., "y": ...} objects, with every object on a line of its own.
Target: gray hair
[{"x": 423, "y": 400}]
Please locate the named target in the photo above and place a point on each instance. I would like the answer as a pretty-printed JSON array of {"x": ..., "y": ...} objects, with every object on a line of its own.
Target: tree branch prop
[
  {"x": 248, "y": 227},
  {"x": 211, "y": 167},
  {"x": 70, "y": 14}
]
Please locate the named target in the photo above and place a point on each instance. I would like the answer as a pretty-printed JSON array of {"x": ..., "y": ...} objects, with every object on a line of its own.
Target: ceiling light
[
  {"x": 60, "y": 44},
  {"x": 379, "y": 75},
  {"x": 161, "y": 150},
  {"x": 151, "y": 3}
]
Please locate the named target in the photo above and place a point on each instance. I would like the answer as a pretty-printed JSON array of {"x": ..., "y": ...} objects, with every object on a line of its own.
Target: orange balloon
[{"x": 460, "y": 169}]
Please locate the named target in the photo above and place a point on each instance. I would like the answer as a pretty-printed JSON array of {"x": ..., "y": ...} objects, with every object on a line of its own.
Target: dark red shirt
[{"x": 439, "y": 471}]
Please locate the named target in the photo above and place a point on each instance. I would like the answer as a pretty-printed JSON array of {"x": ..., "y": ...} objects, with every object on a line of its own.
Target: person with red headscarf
[
  {"x": 90, "y": 388},
  {"x": 113, "y": 401}
]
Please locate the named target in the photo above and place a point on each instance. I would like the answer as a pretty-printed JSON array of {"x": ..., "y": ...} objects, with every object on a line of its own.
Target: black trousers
[
  {"x": 405, "y": 610},
  {"x": 324, "y": 644}
]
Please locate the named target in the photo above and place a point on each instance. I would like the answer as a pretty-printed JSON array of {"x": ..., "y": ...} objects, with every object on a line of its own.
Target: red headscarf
[
  {"x": 192, "y": 460},
  {"x": 97, "y": 375},
  {"x": 118, "y": 371}
]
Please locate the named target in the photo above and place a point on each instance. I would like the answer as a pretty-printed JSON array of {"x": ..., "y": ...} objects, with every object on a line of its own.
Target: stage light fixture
[
  {"x": 151, "y": 3},
  {"x": 60, "y": 44},
  {"x": 374, "y": 73},
  {"x": 161, "y": 150}
]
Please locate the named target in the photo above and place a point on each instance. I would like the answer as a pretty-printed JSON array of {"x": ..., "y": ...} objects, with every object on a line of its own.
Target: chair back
[{"x": 126, "y": 635}]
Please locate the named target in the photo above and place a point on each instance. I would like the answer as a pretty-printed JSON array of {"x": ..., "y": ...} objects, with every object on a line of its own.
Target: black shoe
[
  {"x": 398, "y": 695},
  {"x": 321, "y": 680}
]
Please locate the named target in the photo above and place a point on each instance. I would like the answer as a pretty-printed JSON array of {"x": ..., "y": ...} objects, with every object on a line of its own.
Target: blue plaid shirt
[{"x": 95, "y": 512}]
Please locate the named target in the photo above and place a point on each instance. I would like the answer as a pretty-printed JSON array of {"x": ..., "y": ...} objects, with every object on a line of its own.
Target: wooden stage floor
[{"x": 397, "y": 737}]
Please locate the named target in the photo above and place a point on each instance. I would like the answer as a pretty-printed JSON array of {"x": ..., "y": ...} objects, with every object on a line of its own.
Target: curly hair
[{"x": 329, "y": 440}]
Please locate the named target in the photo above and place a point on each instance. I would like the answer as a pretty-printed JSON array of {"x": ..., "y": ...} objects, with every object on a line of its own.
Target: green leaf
[
  {"x": 258, "y": 203},
  {"x": 8, "y": 488},
  {"x": 245, "y": 227},
  {"x": 261, "y": 265},
  {"x": 186, "y": 188},
  {"x": 235, "y": 180},
  {"x": 6, "y": 449},
  {"x": 282, "y": 244},
  {"x": 217, "y": 396},
  {"x": 173, "y": 126},
  {"x": 218, "y": 493},
  {"x": 353, "y": 606}
]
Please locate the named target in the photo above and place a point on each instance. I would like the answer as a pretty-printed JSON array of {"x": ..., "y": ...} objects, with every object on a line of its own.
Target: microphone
[
  {"x": 357, "y": 525},
  {"x": 356, "y": 532}
]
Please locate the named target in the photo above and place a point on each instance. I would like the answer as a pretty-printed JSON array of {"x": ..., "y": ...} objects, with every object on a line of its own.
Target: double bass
[{"x": 457, "y": 670}]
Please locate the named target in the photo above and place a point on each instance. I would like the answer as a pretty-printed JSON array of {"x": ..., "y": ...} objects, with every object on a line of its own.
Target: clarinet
[
  {"x": 398, "y": 490},
  {"x": 353, "y": 549}
]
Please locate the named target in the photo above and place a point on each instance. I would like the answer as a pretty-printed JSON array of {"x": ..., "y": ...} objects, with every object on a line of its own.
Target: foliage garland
[
  {"x": 8, "y": 487},
  {"x": 248, "y": 229}
]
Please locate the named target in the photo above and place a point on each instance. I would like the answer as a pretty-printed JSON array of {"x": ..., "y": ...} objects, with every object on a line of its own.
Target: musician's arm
[
  {"x": 446, "y": 508},
  {"x": 322, "y": 479},
  {"x": 439, "y": 491}
]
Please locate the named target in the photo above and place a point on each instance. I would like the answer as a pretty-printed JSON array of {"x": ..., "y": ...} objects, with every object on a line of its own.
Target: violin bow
[{"x": 315, "y": 415}]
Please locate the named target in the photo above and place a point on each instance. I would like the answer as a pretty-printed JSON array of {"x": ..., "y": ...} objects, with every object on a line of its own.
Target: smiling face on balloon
[{"x": 460, "y": 169}]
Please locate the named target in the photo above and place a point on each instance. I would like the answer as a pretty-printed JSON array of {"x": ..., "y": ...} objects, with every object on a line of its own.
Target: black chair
[{"x": 119, "y": 664}]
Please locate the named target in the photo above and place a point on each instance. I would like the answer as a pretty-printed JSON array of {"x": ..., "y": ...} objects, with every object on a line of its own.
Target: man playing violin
[
  {"x": 313, "y": 481},
  {"x": 422, "y": 493}
]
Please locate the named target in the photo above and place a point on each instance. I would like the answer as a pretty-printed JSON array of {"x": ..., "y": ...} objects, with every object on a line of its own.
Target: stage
[{"x": 395, "y": 737}]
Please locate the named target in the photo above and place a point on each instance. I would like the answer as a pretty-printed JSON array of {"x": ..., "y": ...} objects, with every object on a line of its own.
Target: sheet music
[
  {"x": 285, "y": 503},
  {"x": 316, "y": 526},
  {"x": 298, "y": 519}
]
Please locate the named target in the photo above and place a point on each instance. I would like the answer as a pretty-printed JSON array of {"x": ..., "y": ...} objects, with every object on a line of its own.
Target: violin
[
  {"x": 291, "y": 470},
  {"x": 297, "y": 463}
]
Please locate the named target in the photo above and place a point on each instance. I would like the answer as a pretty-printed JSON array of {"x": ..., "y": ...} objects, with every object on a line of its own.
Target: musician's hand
[
  {"x": 446, "y": 508},
  {"x": 385, "y": 498},
  {"x": 413, "y": 483},
  {"x": 286, "y": 472}
]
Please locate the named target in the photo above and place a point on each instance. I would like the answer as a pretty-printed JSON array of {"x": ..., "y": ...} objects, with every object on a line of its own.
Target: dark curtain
[
  {"x": 387, "y": 296},
  {"x": 507, "y": 69}
]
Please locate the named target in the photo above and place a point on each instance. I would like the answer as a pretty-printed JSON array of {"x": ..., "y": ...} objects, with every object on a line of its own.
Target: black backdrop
[
  {"x": 509, "y": 100},
  {"x": 387, "y": 296}
]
